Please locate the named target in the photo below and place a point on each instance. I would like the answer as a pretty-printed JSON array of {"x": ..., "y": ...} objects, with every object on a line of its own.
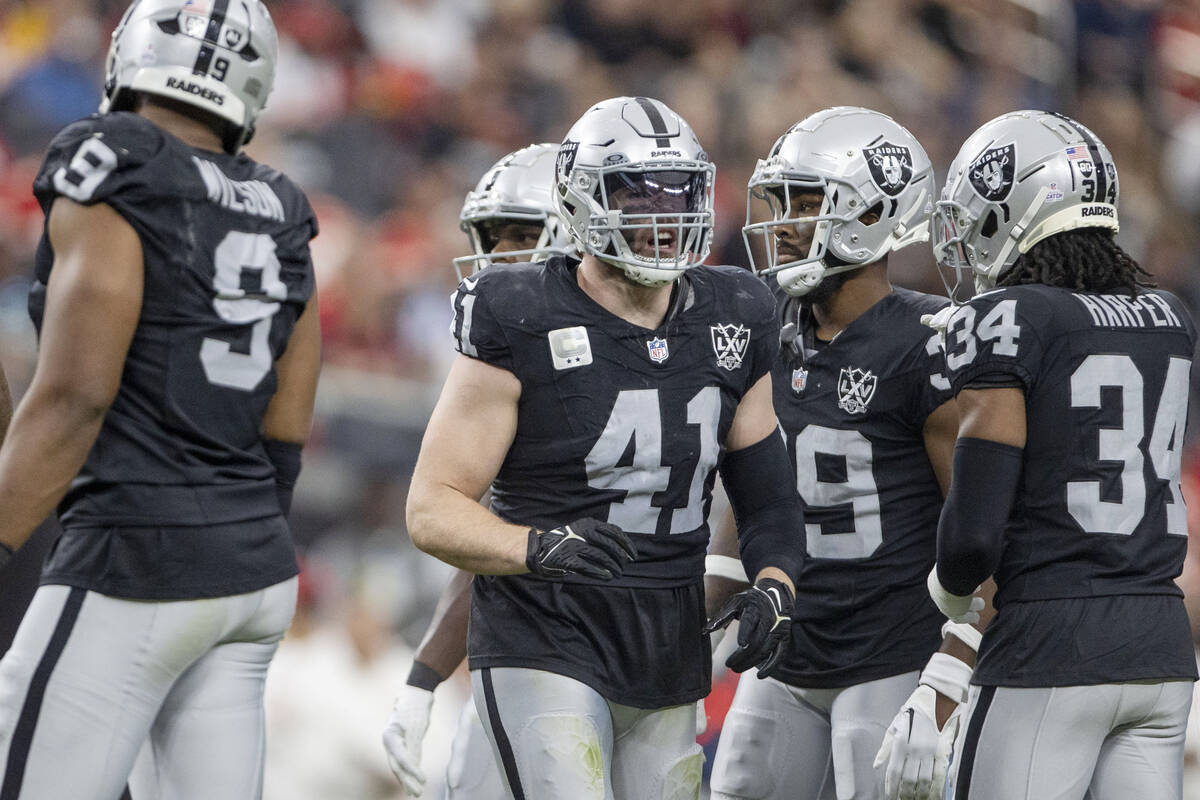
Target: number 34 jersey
[
  {"x": 227, "y": 272},
  {"x": 622, "y": 424},
  {"x": 1098, "y": 532},
  {"x": 853, "y": 413}
]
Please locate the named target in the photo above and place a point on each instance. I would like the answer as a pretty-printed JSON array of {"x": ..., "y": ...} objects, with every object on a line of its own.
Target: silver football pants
[
  {"x": 781, "y": 742},
  {"x": 90, "y": 678},
  {"x": 555, "y": 738},
  {"x": 472, "y": 773},
  {"x": 1114, "y": 741}
]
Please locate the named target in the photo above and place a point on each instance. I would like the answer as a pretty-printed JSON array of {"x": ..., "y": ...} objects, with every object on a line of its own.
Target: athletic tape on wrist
[
  {"x": 967, "y": 634},
  {"x": 725, "y": 567},
  {"x": 948, "y": 675}
]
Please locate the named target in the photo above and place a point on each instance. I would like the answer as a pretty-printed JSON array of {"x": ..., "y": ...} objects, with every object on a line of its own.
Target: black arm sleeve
[
  {"x": 971, "y": 529},
  {"x": 770, "y": 518},
  {"x": 285, "y": 456}
]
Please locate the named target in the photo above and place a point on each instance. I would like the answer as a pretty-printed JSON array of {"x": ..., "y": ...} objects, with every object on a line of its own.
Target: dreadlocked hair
[{"x": 1085, "y": 260}]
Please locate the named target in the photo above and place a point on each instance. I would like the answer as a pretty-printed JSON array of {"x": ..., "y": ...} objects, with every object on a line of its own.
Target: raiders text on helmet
[
  {"x": 216, "y": 55},
  {"x": 517, "y": 188},
  {"x": 1022, "y": 177},
  {"x": 644, "y": 153},
  {"x": 877, "y": 185}
]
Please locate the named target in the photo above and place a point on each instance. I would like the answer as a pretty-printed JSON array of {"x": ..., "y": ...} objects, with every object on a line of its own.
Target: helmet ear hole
[
  {"x": 990, "y": 225},
  {"x": 872, "y": 214}
]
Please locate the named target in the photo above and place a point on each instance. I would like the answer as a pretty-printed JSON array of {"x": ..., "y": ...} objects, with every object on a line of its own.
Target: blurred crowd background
[{"x": 387, "y": 111}]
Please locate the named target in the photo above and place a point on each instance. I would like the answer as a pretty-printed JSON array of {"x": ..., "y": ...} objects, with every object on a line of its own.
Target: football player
[
  {"x": 596, "y": 398},
  {"x": 866, "y": 411},
  {"x": 508, "y": 217},
  {"x": 177, "y": 366},
  {"x": 1071, "y": 377}
]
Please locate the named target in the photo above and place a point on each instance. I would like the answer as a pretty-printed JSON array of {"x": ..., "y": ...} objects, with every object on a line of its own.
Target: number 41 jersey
[
  {"x": 1098, "y": 533},
  {"x": 227, "y": 273},
  {"x": 622, "y": 424}
]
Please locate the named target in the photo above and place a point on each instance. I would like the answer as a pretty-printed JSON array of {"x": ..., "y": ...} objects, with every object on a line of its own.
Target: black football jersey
[
  {"x": 853, "y": 412},
  {"x": 227, "y": 274},
  {"x": 1099, "y": 512},
  {"x": 615, "y": 422}
]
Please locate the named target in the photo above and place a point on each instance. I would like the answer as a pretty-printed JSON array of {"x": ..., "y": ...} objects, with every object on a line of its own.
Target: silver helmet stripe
[
  {"x": 211, "y": 34},
  {"x": 656, "y": 120}
]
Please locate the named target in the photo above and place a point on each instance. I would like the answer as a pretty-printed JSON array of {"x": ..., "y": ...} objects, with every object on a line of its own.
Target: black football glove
[
  {"x": 764, "y": 614},
  {"x": 584, "y": 547}
]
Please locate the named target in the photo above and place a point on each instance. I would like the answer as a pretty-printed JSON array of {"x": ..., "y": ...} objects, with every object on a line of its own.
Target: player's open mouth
[{"x": 664, "y": 242}]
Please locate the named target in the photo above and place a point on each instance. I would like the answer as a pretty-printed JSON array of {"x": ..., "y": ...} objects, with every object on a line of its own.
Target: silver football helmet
[
  {"x": 877, "y": 187},
  {"x": 516, "y": 189},
  {"x": 216, "y": 55},
  {"x": 1022, "y": 177},
  {"x": 636, "y": 189}
]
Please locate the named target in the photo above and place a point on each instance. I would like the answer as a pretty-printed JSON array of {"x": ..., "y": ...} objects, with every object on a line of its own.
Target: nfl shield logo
[
  {"x": 658, "y": 350},
  {"x": 729, "y": 342},
  {"x": 799, "y": 379},
  {"x": 855, "y": 389}
]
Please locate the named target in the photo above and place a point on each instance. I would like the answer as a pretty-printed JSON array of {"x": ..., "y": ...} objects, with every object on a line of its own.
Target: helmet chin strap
[{"x": 799, "y": 281}]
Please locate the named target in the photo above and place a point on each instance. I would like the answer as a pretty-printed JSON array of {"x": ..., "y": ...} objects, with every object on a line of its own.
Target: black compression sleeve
[
  {"x": 285, "y": 456},
  {"x": 770, "y": 519},
  {"x": 971, "y": 529}
]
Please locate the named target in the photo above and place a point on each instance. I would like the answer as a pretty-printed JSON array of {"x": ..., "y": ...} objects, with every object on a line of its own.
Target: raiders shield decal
[
  {"x": 992, "y": 173},
  {"x": 855, "y": 388},
  {"x": 729, "y": 343},
  {"x": 891, "y": 167},
  {"x": 566, "y": 159}
]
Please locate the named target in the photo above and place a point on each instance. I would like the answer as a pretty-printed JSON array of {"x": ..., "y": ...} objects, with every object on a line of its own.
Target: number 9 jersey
[
  {"x": 1099, "y": 515},
  {"x": 227, "y": 273}
]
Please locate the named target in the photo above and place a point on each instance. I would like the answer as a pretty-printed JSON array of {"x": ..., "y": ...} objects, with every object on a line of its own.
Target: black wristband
[
  {"x": 6, "y": 554},
  {"x": 423, "y": 676}
]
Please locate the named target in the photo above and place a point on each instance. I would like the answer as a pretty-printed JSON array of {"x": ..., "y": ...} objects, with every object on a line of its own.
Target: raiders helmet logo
[
  {"x": 891, "y": 166},
  {"x": 992, "y": 173},
  {"x": 566, "y": 159}
]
